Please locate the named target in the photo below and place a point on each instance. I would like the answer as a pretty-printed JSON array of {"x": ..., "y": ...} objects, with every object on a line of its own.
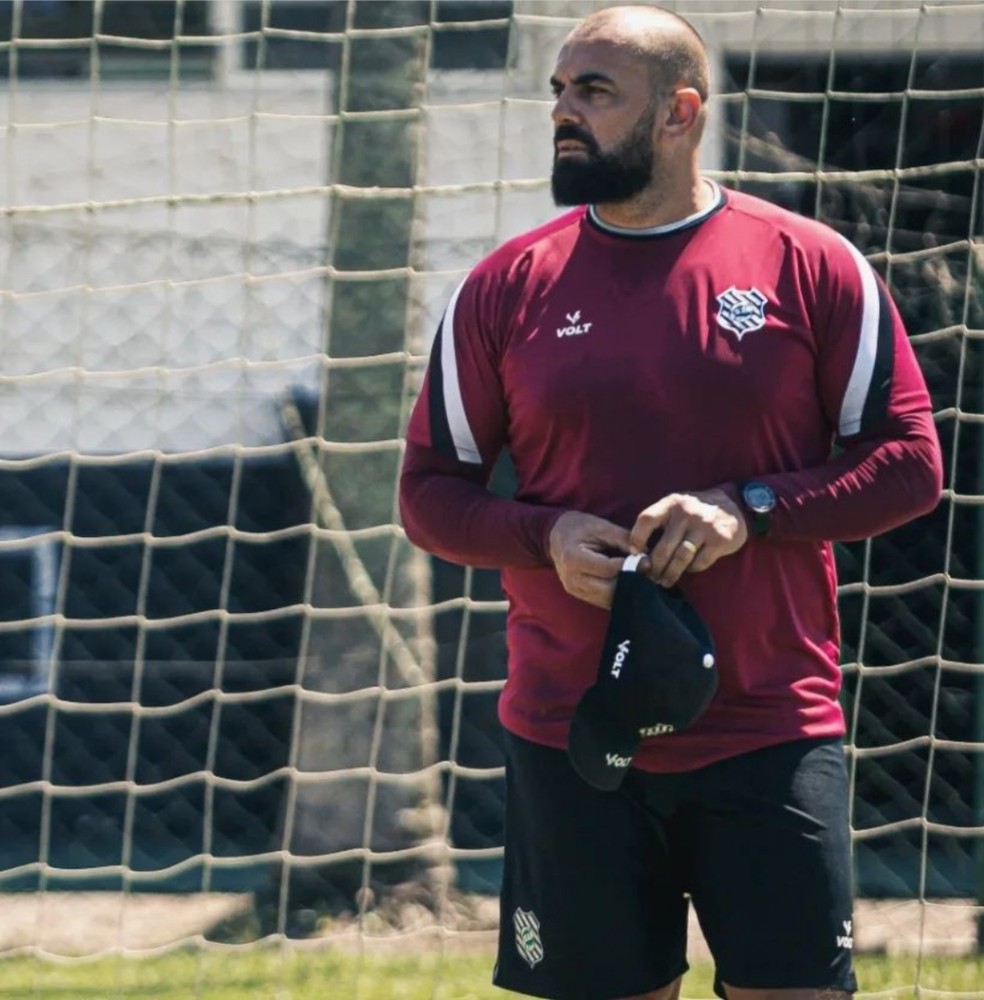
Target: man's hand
[
  {"x": 582, "y": 547},
  {"x": 696, "y": 529}
]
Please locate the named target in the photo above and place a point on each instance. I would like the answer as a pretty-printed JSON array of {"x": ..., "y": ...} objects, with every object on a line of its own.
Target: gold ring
[{"x": 690, "y": 545}]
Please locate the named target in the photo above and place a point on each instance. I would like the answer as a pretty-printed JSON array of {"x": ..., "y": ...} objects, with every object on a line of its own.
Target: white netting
[{"x": 229, "y": 229}]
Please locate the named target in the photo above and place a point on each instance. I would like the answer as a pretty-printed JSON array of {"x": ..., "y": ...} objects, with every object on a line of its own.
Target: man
[{"x": 670, "y": 369}]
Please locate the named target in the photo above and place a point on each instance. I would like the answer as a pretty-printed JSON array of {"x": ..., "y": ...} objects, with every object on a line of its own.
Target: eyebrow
[{"x": 584, "y": 78}]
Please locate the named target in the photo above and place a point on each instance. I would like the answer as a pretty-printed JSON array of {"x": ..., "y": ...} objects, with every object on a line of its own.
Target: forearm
[
  {"x": 866, "y": 490},
  {"x": 458, "y": 519}
]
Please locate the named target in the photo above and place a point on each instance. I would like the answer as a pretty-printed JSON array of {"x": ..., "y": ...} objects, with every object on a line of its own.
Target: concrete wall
[{"x": 147, "y": 301}]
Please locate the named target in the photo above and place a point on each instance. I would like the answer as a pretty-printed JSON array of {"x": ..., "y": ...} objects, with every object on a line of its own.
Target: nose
[{"x": 563, "y": 110}]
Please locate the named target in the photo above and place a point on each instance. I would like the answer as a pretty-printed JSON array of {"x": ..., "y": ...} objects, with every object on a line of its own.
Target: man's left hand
[{"x": 695, "y": 530}]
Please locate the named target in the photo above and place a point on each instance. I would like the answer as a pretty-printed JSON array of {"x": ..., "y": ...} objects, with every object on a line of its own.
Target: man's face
[
  {"x": 604, "y": 119},
  {"x": 599, "y": 178}
]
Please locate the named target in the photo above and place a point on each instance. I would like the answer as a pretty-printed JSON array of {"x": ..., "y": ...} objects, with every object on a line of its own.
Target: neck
[{"x": 660, "y": 204}]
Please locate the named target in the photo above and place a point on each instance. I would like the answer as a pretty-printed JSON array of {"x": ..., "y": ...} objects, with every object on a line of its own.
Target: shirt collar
[{"x": 671, "y": 227}]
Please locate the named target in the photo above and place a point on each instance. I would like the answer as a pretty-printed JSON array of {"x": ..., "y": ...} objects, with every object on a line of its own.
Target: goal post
[{"x": 230, "y": 229}]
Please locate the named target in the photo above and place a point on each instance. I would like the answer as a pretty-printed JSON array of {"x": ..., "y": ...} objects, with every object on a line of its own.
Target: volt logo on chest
[{"x": 575, "y": 327}]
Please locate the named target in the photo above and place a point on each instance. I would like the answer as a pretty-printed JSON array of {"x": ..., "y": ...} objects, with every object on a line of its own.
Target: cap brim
[{"x": 600, "y": 750}]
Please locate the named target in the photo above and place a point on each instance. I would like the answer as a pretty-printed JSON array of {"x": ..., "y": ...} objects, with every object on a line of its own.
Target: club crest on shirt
[{"x": 741, "y": 310}]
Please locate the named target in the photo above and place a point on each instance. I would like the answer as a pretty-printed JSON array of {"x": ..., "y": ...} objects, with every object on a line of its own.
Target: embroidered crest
[
  {"x": 741, "y": 310},
  {"x": 528, "y": 942}
]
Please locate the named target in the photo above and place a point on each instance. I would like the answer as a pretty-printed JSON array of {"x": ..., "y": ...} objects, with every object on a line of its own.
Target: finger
[
  {"x": 594, "y": 591},
  {"x": 690, "y": 546},
  {"x": 706, "y": 557},
  {"x": 665, "y": 550},
  {"x": 608, "y": 571},
  {"x": 650, "y": 520},
  {"x": 594, "y": 564},
  {"x": 680, "y": 562},
  {"x": 594, "y": 583},
  {"x": 576, "y": 537},
  {"x": 604, "y": 537},
  {"x": 680, "y": 545},
  {"x": 617, "y": 538}
]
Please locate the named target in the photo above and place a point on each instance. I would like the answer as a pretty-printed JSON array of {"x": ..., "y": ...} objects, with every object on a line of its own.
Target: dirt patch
[
  {"x": 90, "y": 923},
  {"x": 76, "y": 924}
]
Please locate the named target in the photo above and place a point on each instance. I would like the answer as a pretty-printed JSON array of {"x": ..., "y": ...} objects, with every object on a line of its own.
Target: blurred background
[{"x": 229, "y": 231}]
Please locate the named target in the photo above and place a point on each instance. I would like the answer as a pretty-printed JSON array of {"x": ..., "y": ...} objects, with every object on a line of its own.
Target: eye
[{"x": 593, "y": 90}]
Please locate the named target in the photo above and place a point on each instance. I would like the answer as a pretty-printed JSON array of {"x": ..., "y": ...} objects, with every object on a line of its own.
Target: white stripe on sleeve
[
  {"x": 859, "y": 383},
  {"x": 461, "y": 432}
]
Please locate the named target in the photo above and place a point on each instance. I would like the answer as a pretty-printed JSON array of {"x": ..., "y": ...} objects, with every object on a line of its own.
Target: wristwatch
[{"x": 759, "y": 500}]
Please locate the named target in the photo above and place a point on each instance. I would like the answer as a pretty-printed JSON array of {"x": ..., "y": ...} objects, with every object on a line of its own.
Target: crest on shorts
[
  {"x": 528, "y": 942},
  {"x": 741, "y": 310}
]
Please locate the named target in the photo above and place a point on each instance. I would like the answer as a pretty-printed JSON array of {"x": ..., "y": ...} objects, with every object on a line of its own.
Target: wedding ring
[{"x": 690, "y": 545}]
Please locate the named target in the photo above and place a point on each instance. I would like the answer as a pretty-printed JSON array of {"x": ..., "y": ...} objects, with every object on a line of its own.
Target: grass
[{"x": 268, "y": 974}]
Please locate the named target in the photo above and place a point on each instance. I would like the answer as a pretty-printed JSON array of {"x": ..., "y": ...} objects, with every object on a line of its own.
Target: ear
[{"x": 684, "y": 110}]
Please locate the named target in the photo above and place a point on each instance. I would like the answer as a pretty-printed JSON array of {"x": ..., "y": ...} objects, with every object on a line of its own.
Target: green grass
[{"x": 268, "y": 974}]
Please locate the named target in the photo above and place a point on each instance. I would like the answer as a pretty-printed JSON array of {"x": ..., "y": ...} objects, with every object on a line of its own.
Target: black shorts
[{"x": 597, "y": 885}]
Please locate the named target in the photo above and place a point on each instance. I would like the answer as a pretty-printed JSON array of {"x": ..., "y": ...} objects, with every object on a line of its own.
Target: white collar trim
[{"x": 670, "y": 226}]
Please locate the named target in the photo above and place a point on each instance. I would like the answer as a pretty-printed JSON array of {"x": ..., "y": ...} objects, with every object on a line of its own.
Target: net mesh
[{"x": 227, "y": 682}]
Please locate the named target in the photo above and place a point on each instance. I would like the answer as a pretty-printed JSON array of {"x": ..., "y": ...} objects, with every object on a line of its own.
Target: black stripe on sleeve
[
  {"x": 440, "y": 429},
  {"x": 880, "y": 388}
]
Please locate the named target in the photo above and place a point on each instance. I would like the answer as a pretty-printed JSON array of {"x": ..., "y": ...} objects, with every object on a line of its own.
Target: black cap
[{"x": 656, "y": 676}]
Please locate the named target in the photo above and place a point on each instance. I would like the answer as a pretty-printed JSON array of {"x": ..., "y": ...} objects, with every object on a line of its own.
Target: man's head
[{"x": 631, "y": 87}]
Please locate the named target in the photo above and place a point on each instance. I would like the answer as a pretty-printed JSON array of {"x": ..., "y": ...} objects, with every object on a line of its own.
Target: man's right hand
[{"x": 584, "y": 550}]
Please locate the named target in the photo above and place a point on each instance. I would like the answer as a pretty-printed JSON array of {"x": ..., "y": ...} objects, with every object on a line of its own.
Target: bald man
[{"x": 699, "y": 378}]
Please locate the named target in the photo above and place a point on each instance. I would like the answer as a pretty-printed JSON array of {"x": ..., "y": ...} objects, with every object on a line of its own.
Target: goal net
[{"x": 239, "y": 709}]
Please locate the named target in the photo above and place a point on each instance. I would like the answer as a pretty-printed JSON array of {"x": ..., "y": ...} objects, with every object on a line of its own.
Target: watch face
[{"x": 759, "y": 497}]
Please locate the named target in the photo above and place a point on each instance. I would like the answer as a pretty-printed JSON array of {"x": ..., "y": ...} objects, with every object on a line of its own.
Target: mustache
[{"x": 574, "y": 133}]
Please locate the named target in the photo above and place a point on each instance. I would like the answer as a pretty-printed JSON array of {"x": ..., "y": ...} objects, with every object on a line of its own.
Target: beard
[{"x": 604, "y": 178}]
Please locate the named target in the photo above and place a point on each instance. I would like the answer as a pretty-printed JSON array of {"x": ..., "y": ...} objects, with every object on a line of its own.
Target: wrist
[{"x": 550, "y": 536}]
